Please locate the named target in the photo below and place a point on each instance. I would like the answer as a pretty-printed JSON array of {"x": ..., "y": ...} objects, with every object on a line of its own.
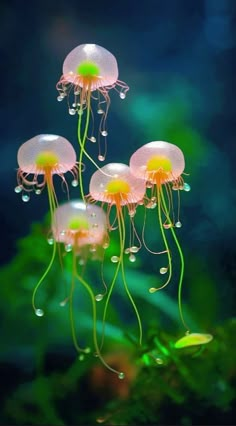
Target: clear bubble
[
  {"x": 104, "y": 133},
  {"x": 38, "y": 191},
  {"x": 163, "y": 270},
  {"x": 121, "y": 375},
  {"x": 74, "y": 183},
  {"x": 72, "y": 111},
  {"x": 178, "y": 224},
  {"x": 18, "y": 189},
  {"x": 186, "y": 187},
  {"x": 115, "y": 259},
  {"x": 101, "y": 157},
  {"x": 74, "y": 104},
  {"x": 122, "y": 95},
  {"x": 50, "y": 241},
  {"x": 93, "y": 139},
  {"x": 134, "y": 249},
  {"x": 39, "y": 312},
  {"x": 68, "y": 248},
  {"x": 99, "y": 297},
  {"x": 132, "y": 258},
  {"x": 60, "y": 98},
  {"x": 100, "y": 111},
  {"x": 25, "y": 198}
]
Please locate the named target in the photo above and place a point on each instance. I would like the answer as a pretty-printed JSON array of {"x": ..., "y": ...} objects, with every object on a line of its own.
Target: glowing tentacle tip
[
  {"x": 121, "y": 375},
  {"x": 152, "y": 289},
  {"x": 39, "y": 312},
  {"x": 192, "y": 339}
]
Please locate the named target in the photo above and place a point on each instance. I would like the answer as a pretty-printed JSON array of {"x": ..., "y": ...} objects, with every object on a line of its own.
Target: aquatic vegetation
[
  {"x": 89, "y": 73},
  {"x": 192, "y": 339}
]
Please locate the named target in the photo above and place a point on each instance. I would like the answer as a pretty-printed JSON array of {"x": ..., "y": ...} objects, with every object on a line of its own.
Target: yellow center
[
  {"x": 158, "y": 169},
  {"x": 46, "y": 160},
  {"x": 78, "y": 223},
  {"x": 117, "y": 186},
  {"x": 158, "y": 163}
]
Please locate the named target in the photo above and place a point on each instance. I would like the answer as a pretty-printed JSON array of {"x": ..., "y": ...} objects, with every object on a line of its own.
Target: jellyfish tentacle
[
  {"x": 121, "y": 225},
  {"x": 52, "y": 205},
  {"x": 162, "y": 205},
  {"x": 182, "y": 266},
  {"x": 98, "y": 352},
  {"x": 71, "y": 313}
]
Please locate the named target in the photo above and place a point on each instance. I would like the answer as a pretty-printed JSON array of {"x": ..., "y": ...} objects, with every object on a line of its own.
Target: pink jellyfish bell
[
  {"x": 78, "y": 225},
  {"x": 160, "y": 165},
  {"x": 89, "y": 73},
  {"x": 115, "y": 186},
  {"x": 39, "y": 159}
]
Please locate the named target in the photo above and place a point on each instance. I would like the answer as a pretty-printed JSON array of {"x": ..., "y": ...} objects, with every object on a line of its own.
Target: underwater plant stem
[
  {"x": 121, "y": 226},
  {"x": 180, "y": 285},
  {"x": 90, "y": 292}
]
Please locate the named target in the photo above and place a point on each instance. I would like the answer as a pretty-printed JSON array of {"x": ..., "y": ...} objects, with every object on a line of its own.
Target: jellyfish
[
  {"x": 161, "y": 164},
  {"x": 81, "y": 228},
  {"x": 39, "y": 159},
  {"x": 114, "y": 186},
  {"x": 89, "y": 73}
]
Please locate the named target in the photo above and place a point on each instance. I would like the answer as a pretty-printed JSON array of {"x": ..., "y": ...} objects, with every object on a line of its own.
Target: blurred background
[{"x": 178, "y": 57}]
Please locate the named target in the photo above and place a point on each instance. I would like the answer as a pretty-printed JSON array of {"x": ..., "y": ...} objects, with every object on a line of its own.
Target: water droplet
[
  {"x": 50, "y": 241},
  {"x": 87, "y": 350},
  {"x": 18, "y": 189},
  {"x": 100, "y": 111},
  {"x": 134, "y": 249},
  {"x": 104, "y": 133},
  {"x": 121, "y": 375},
  {"x": 152, "y": 290},
  {"x": 72, "y": 111},
  {"x": 38, "y": 191},
  {"x": 186, "y": 187},
  {"x": 99, "y": 297},
  {"x": 60, "y": 98},
  {"x": 132, "y": 258},
  {"x": 25, "y": 198},
  {"x": 68, "y": 248},
  {"x": 122, "y": 95},
  {"x": 101, "y": 157},
  {"x": 39, "y": 312},
  {"x": 159, "y": 361},
  {"x": 178, "y": 224},
  {"x": 74, "y": 183},
  {"x": 127, "y": 251},
  {"x": 115, "y": 259},
  {"x": 93, "y": 139},
  {"x": 163, "y": 270}
]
